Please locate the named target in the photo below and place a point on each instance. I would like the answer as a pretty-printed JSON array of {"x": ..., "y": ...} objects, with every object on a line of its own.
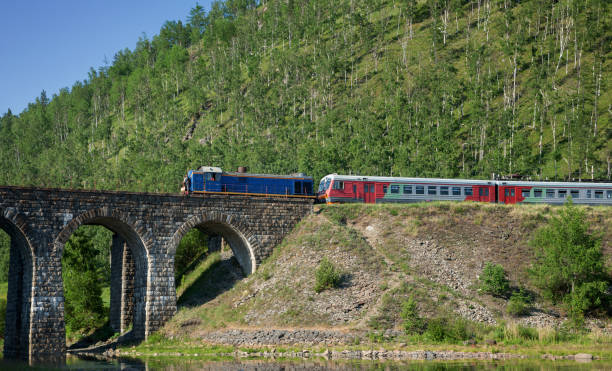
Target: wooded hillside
[{"x": 450, "y": 88}]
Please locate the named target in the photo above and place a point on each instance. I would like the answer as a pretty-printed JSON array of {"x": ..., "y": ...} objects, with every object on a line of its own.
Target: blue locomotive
[{"x": 213, "y": 180}]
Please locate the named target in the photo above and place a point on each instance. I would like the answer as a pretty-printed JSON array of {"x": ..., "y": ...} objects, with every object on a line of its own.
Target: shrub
[
  {"x": 327, "y": 276},
  {"x": 493, "y": 280},
  {"x": 413, "y": 323},
  {"x": 519, "y": 303},
  {"x": 569, "y": 264},
  {"x": 450, "y": 330}
]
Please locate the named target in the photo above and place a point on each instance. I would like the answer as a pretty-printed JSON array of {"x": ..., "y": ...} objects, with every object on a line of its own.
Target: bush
[
  {"x": 450, "y": 330},
  {"x": 569, "y": 264},
  {"x": 327, "y": 276},
  {"x": 493, "y": 280},
  {"x": 413, "y": 323},
  {"x": 519, "y": 303}
]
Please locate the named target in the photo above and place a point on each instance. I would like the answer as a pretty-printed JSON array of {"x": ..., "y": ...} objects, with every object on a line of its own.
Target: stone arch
[
  {"x": 17, "y": 339},
  {"x": 242, "y": 241},
  {"x": 134, "y": 237}
]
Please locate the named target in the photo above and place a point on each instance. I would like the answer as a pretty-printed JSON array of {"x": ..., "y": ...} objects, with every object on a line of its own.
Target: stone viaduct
[{"x": 147, "y": 229}]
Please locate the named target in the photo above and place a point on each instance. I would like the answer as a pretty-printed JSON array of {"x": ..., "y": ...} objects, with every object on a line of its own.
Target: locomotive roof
[
  {"x": 407, "y": 180},
  {"x": 213, "y": 169}
]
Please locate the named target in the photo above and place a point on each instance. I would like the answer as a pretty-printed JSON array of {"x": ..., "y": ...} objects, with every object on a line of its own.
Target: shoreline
[{"x": 346, "y": 355}]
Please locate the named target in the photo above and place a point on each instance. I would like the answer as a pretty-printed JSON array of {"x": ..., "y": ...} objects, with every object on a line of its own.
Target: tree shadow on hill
[{"x": 218, "y": 278}]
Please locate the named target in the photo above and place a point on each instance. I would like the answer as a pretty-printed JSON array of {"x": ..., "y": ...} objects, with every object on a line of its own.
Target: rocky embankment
[{"x": 387, "y": 254}]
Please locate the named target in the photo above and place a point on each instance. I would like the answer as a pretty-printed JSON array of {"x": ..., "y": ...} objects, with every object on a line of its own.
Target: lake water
[{"x": 189, "y": 364}]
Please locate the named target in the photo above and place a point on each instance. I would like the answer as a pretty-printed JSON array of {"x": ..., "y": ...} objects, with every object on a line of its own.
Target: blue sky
[{"x": 50, "y": 44}]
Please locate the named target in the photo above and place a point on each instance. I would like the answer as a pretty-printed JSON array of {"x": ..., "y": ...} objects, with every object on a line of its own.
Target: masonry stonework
[{"x": 147, "y": 228}]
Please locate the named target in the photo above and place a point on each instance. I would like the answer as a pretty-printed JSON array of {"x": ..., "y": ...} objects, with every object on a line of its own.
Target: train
[
  {"x": 213, "y": 180},
  {"x": 334, "y": 188}
]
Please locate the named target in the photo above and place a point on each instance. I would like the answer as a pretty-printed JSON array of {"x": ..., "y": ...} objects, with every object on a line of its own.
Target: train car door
[
  {"x": 369, "y": 193},
  {"x": 509, "y": 195}
]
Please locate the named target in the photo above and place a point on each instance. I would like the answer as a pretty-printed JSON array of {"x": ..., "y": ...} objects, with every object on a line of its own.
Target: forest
[{"x": 447, "y": 88}]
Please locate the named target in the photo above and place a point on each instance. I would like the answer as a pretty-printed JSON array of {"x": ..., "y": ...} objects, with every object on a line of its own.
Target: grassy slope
[{"x": 388, "y": 253}]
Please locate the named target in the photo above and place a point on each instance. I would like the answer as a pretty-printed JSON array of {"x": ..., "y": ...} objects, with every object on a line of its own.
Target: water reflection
[{"x": 191, "y": 364}]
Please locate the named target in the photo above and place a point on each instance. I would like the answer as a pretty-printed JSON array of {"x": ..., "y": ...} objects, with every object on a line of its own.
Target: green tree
[
  {"x": 192, "y": 247},
  {"x": 569, "y": 264},
  {"x": 82, "y": 288}
]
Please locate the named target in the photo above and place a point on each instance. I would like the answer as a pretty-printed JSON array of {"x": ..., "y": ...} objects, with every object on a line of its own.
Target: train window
[
  {"x": 588, "y": 193},
  {"x": 395, "y": 189},
  {"x": 420, "y": 190},
  {"x": 384, "y": 188},
  {"x": 354, "y": 191},
  {"x": 598, "y": 194},
  {"x": 524, "y": 193},
  {"x": 562, "y": 193},
  {"x": 483, "y": 191},
  {"x": 408, "y": 189},
  {"x": 609, "y": 194},
  {"x": 512, "y": 192},
  {"x": 506, "y": 192},
  {"x": 431, "y": 190},
  {"x": 338, "y": 185},
  {"x": 467, "y": 191},
  {"x": 444, "y": 191},
  {"x": 575, "y": 193},
  {"x": 297, "y": 187},
  {"x": 550, "y": 193},
  {"x": 456, "y": 191},
  {"x": 480, "y": 191},
  {"x": 537, "y": 192}
]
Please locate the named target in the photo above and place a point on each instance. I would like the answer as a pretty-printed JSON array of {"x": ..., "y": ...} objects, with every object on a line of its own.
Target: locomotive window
[
  {"x": 407, "y": 190},
  {"x": 307, "y": 188},
  {"x": 456, "y": 191},
  {"x": 395, "y": 189},
  {"x": 609, "y": 194},
  {"x": 297, "y": 188},
  {"x": 467, "y": 191},
  {"x": 598, "y": 194},
  {"x": 525, "y": 193},
  {"x": 575, "y": 193},
  {"x": 550, "y": 193},
  {"x": 537, "y": 193},
  {"x": 420, "y": 190},
  {"x": 444, "y": 191},
  {"x": 431, "y": 190},
  {"x": 338, "y": 185},
  {"x": 384, "y": 188},
  {"x": 562, "y": 193},
  {"x": 512, "y": 192}
]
